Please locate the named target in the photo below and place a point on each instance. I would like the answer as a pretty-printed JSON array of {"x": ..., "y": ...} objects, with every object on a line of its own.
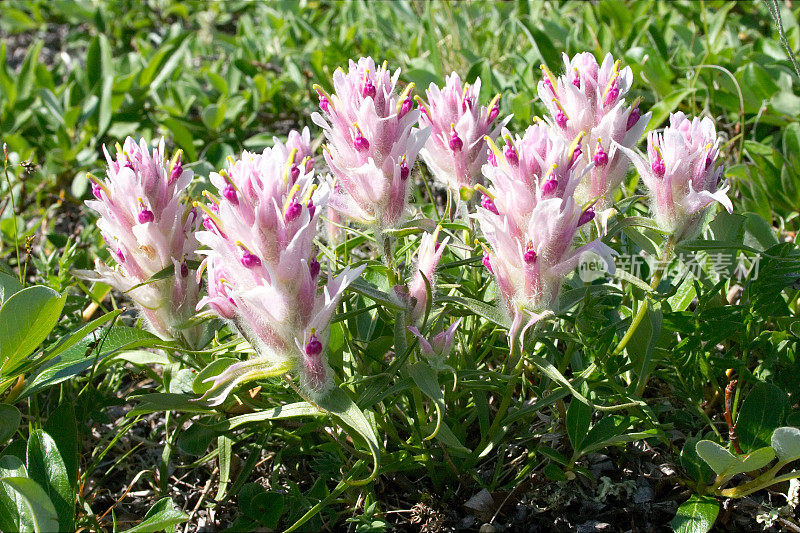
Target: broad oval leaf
[
  {"x": 26, "y": 320},
  {"x": 42, "y": 513},
  {"x": 46, "y": 467},
  {"x": 786, "y": 442},
  {"x": 10, "y": 417},
  {"x": 696, "y": 515},
  {"x": 762, "y": 412}
]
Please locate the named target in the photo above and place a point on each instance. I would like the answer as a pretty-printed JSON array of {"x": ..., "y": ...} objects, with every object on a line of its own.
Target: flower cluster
[
  {"x": 148, "y": 229},
  {"x": 372, "y": 143},
  {"x": 682, "y": 174},
  {"x": 263, "y": 270},
  {"x": 456, "y": 149},
  {"x": 530, "y": 219},
  {"x": 589, "y": 100}
]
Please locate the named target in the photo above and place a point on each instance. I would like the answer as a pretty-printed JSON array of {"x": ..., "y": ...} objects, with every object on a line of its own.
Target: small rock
[
  {"x": 488, "y": 528},
  {"x": 643, "y": 493},
  {"x": 592, "y": 526}
]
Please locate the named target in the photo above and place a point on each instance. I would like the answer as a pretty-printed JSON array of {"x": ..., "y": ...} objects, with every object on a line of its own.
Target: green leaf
[
  {"x": 264, "y": 507},
  {"x": 46, "y": 467},
  {"x": 213, "y": 115},
  {"x": 224, "y": 444},
  {"x": 161, "y": 516},
  {"x": 786, "y": 443},
  {"x": 43, "y": 515},
  {"x": 62, "y": 426},
  {"x": 14, "y": 513},
  {"x": 718, "y": 458},
  {"x": 488, "y": 311},
  {"x": 696, "y": 467},
  {"x": 10, "y": 418},
  {"x": 26, "y": 320},
  {"x": 161, "y": 401},
  {"x": 578, "y": 420},
  {"x": 607, "y": 428},
  {"x": 425, "y": 378},
  {"x": 696, "y": 515},
  {"x": 9, "y": 285},
  {"x": 667, "y": 105},
  {"x": 762, "y": 412},
  {"x": 342, "y": 407}
]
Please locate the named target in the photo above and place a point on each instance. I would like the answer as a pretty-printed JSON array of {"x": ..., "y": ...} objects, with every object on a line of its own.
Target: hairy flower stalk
[
  {"x": 589, "y": 100},
  {"x": 530, "y": 219},
  {"x": 372, "y": 143},
  {"x": 263, "y": 271},
  {"x": 456, "y": 149},
  {"x": 682, "y": 174},
  {"x": 148, "y": 228}
]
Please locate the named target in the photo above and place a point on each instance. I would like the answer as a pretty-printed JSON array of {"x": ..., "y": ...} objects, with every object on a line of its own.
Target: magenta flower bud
[
  {"x": 250, "y": 260},
  {"x": 359, "y": 141},
  {"x": 404, "y": 170},
  {"x": 120, "y": 255},
  {"x": 576, "y": 155},
  {"x": 311, "y": 208},
  {"x": 576, "y": 80},
  {"x": 295, "y": 171},
  {"x": 613, "y": 94},
  {"x": 488, "y": 203},
  {"x": 658, "y": 166},
  {"x": 208, "y": 224},
  {"x": 294, "y": 210},
  {"x": 97, "y": 191},
  {"x": 313, "y": 346},
  {"x": 633, "y": 118},
  {"x": 529, "y": 256},
  {"x": 455, "y": 141},
  {"x": 600, "y": 157},
  {"x": 145, "y": 216},
  {"x": 313, "y": 267},
  {"x": 369, "y": 89},
  {"x": 487, "y": 263},
  {"x": 324, "y": 104},
  {"x": 184, "y": 270},
  {"x": 549, "y": 85},
  {"x": 511, "y": 155},
  {"x": 549, "y": 187},
  {"x": 586, "y": 216},
  {"x": 490, "y": 157},
  {"x": 561, "y": 119},
  {"x": 230, "y": 194},
  {"x": 405, "y": 107},
  {"x": 177, "y": 170},
  {"x": 493, "y": 112}
]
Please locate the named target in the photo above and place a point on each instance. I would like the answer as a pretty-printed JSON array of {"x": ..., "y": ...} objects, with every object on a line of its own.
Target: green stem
[
  {"x": 388, "y": 257},
  {"x": 663, "y": 260},
  {"x": 13, "y": 213}
]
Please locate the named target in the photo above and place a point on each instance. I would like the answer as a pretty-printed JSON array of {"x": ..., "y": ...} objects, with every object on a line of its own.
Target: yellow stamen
[
  {"x": 549, "y": 75},
  {"x": 574, "y": 145},
  {"x": 497, "y": 152},
  {"x": 483, "y": 190},
  {"x": 213, "y": 216}
]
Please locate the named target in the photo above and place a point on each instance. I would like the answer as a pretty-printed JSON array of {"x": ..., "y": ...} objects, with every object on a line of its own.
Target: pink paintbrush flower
[
  {"x": 428, "y": 257},
  {"x": 263, "y": 270},
  {"x": 532, "y": 223},
  {"x": 589, "y": 100},
  {"x": 456, "y": 149},
  {"x": 682, "y": 174},
  {"x": 437, "y": 349},
  {"x": 148, "y": 228},
  {"x": 372, "y": 143}
]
